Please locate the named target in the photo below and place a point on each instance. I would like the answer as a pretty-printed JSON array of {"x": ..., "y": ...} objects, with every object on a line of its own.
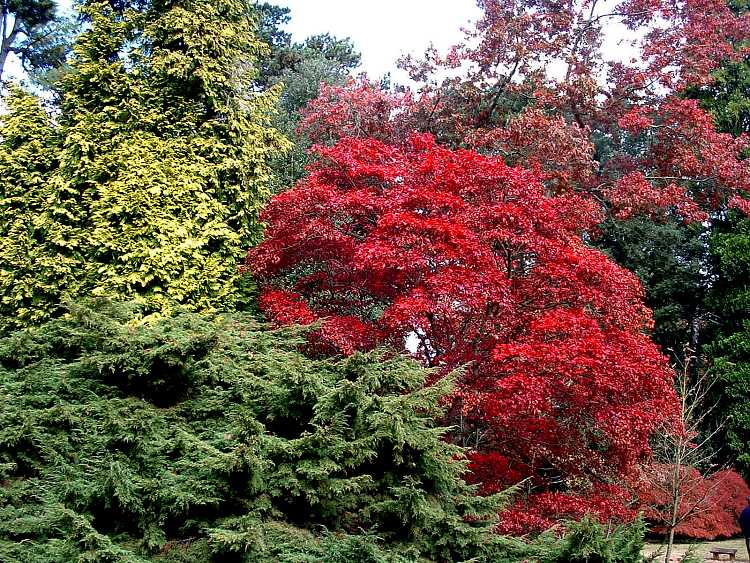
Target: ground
[{"x": 700, "y": 549}]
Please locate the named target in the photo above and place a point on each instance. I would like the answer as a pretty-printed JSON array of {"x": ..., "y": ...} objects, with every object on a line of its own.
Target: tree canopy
[
  {"x": 541, "y": 227},
  {"x": 33, "y": 31},
  {"x": 467, "y": 261}
]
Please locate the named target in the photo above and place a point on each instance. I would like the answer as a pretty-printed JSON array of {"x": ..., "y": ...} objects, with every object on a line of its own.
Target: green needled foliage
[
  {"x": 732, "y": 365},
  {"x": 730, "y": 302},
  {"x": 161, "y": 154},
  {"x": 669, "y": 257},
  {"x": 35, "y": 262},
  {"x": 32, "y": 31},
  {"x": 727, "y": 97},
  {"x": 167, "y": 148},
  {"x": 207, "y": 438},
  {"x": 588, "y": 541},
  {"x": 299, "y": 69}
]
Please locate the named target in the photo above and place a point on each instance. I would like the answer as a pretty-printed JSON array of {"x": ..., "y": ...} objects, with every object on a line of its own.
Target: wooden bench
[{"x": 717, "y": 551}]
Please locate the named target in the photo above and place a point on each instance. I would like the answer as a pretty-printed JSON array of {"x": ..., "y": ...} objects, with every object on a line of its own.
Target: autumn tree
[
  {"x": 532, "y": 83},
  {"x": 681, "y": 489},
  {"x": 466, "y": 261}
]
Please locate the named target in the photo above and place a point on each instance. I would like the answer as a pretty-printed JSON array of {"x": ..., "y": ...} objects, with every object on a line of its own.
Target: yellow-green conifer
[{"x": 158, "y": 161}]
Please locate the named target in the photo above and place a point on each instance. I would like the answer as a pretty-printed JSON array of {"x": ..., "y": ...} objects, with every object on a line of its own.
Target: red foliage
[
  {"x": 683, "y": 147},
  {"x": 561, "y": 152},
  {"x": 475, "y": 264},
  {"x": 708, "y": 508},
  {"x": 661, "y": 152},
  {"x": 358, "y": 110},
  {"x": 539, "y": 512}
]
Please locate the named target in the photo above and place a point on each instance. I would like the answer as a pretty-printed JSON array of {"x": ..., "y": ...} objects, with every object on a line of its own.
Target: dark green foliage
[
  {"x": 335, "y": 57},
  {"x": 669, "y": 257},
  {"x": 299, "y": 68},
  {"x": 732, "y": 368},
  {"x": 730, "y": 251},
  {"x": 730, "y": 303},
  {"x": 201, "y": 438},
  {"x": 728, "y": 98},
  {"x": 271, "y": 19},
  {"x": 589, "y": 541},
  {"x": 586, "y": 541}
]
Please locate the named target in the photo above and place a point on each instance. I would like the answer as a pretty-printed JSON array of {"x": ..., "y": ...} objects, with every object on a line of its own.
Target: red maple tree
[
  {"x": 708, "y": 507},
  {"x": 533, "y": 84},
  {"x": 468, "y": 262}
]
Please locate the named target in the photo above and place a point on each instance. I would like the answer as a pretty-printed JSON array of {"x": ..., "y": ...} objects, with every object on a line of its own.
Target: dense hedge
[
  {"x": 204, "y": 436},
  {"x": 208, "y": 438}
]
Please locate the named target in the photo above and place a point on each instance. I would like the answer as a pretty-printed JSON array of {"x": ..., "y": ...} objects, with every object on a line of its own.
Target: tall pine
[
  {"x": 34, "y": 258},
  {"x": 162, "y": 157}
]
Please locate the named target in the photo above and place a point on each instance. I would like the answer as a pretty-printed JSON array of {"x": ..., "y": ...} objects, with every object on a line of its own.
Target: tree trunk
[
  {"x": 676, "y": 489},
  {"x": 670, "y": 543},
  {"x": 6, "y": 45},
  {"x": 3, "y": 56}
]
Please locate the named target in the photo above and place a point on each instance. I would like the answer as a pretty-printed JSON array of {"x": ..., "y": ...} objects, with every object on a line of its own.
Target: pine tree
[
  {"x": 300, "y": 69},
  {"x": 32, "y": 31},
  {"x": 199, "y": 436},
  {"x": 35, "y": 265},
  {"x": 669, "y": 257},
  {"x": 161, "y": 157}
]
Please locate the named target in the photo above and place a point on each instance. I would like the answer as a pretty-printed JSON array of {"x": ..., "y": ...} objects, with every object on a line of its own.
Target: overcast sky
[{"x": 384, "y": 30}]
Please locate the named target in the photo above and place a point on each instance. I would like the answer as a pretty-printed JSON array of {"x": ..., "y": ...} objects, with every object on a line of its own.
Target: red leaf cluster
[
  {"x": 539, "y": 512},
  {"x": 532, "y": 84},
  {"x": 708, "y": 508},
  {"x": 467, "y": 261},
  {"x": 358, "y": 109}
]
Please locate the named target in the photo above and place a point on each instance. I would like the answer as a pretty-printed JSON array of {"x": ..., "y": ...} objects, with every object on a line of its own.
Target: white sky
[{"x": 383, "y": 30}]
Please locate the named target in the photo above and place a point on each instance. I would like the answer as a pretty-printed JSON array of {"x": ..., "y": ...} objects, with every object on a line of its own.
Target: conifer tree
[
  {"x": 161, "y": 157},
  {"x": 32, "y": 31},
  {"x": 167, "y": 148},
  {"x": 34, "y": 262},
  {"x": 201, "y": 436},
  {"x": 730, "y": 303}
]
